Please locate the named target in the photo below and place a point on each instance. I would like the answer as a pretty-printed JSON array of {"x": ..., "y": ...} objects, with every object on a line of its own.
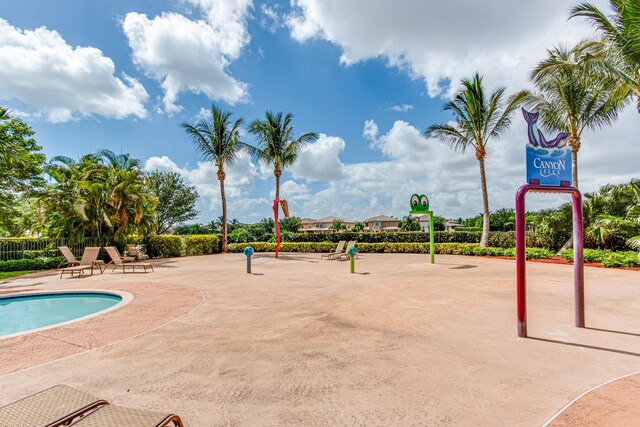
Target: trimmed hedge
[
  {"x": 164, "y": 246},
  {"x": 498, "y": 239},
  {"x": 607, "y": 258},
  {"x": 30, "y": 264},
  {"x": 201, "y": 244},
  {"x": 440, "y": 248},
  {"x": 317, "y": 247}
]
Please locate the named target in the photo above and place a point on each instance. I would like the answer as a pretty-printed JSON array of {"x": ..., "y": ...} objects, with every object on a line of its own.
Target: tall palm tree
[
  {"x": 277, "y": 144},
  {"x": 619, "y": 49},
  {"x": 128, "y": 195},
  {"x": 477, "y": 121},
  {"x": 572, "y": 96},
  {"x": 218, "y": 140}
]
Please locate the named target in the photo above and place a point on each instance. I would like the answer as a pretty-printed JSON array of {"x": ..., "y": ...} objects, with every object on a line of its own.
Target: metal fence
[{"x": 21, "y": 248}]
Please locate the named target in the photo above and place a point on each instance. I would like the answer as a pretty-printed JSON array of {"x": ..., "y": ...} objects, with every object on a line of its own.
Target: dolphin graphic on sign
[{"x": 536, "y": 137}]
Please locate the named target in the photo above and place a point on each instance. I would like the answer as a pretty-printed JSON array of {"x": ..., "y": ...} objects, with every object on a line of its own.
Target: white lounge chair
[{"x": 337, "y": 252}]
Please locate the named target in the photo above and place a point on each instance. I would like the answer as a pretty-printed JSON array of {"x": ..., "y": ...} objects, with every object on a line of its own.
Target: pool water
[{"x": 27, "y": 312}]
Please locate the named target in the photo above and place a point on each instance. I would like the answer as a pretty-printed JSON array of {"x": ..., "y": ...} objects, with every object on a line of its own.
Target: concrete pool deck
[{"x": 302, "y": 341}]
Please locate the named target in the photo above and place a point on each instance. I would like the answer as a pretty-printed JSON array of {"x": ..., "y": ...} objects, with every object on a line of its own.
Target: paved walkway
[{"x": 304, "y": 342}]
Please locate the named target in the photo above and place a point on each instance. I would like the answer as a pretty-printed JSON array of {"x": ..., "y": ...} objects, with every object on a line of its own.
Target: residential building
[
  {"x": 323, "y": 225},
  {"x": 424, "y": 222},
  {"x": 449, "y": 224},
  {"x": 380, "y": 223}
]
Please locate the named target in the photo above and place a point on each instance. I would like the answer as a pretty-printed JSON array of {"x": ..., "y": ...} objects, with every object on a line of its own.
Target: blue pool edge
[{"x": 126, "y": 298}]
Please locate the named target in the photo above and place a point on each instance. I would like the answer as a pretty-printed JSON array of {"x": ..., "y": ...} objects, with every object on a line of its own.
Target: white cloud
[
  {"x": 240, "y": 177},
  {"x": 402, "y": 108},
  {"x": 292, "y": 191},
  {"x": 440, "y": 41},
  {"x": 271, "y": 19},
  {"x": 384, "y": 187},
  {"x": 228, "y": 19},
  {"x": 191, "y": 55},
  {"x": 203, "y": 113},
  {"x": 403, "y": 141},
  {"x": 370, "y": 130},
  {"x": 320, "y": 160},
  {"x": 61, "y": 82}
]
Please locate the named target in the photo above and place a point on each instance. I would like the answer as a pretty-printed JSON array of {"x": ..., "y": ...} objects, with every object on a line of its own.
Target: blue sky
[{"x": 368, "y": 77}]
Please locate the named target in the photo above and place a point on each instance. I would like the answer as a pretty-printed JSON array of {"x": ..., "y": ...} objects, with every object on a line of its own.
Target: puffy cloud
[
  {"x": 402, "y": 108},
  {"x": 320, "y": 160},
  {"x": 402, "y": 141},
  {"x": 228, "y": 19},
  {"x": 370, "y": 130},
  {"x": 191, "y": 55},
  {"x": 442, "y": 42},
  {"x": 61, "y": 82},
  {"x": 292, "y": 192},
  {"x": 240, "y": 177},
  {"x": 271, "y": 18},
  {"x": 372, "y": 188}
]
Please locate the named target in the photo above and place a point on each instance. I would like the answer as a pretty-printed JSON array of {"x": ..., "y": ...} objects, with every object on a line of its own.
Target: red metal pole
[
  {"x": 578, "y": 258},
  {"x": 521, "y": 260}
]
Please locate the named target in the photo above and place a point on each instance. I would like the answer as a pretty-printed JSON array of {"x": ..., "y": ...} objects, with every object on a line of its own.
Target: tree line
[{"x": 108, "y": 195}]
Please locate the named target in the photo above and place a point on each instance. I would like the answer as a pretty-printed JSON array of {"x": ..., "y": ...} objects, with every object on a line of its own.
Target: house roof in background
[{"x": 381, "y": 218}]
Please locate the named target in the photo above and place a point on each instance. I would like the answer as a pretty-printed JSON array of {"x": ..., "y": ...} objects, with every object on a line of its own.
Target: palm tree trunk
[
  {"x": 574, "y": 143},
  {"x": 484, "y": 240},
  {"x": 638, "y": 105},
  {"x": 224, "y": 212},
  {"x": 574, "y": 167},
  {"x": 277, "y": 173}
]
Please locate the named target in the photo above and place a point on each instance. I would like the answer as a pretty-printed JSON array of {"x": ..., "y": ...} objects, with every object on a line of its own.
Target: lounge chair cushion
[
  {"x": 111, "y": 415},
  {"x": 47, "y": 407}
]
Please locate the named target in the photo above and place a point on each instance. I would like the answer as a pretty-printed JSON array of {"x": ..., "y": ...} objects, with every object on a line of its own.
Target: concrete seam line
[
  {"x": 112, "y": 343},
  {"x": 564, "y": 408}
]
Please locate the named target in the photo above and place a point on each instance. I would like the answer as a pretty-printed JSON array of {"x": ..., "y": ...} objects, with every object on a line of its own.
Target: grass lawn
[{"x": 9, "y": 274}]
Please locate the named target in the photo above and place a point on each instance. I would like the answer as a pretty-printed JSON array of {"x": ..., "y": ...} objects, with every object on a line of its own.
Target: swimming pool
[{"x": 27, "y": 312}]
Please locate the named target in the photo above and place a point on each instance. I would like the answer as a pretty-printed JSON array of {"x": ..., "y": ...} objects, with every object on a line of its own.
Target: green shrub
[
  {"x": 468, "y": 229},
  {"x": 317, "y": 247},
  {"x": 30, "y": 264},
  {"x": 501, "y": 239},
  {"x": 45, "y": 253},
  {"x": 620, "y": 259},
  {"x": 419, "y": 248},
  {"x": 164, "y": 246},
  {"x": 536, "y": 253},
  {"x": 201, "y": 244},
  {"x": 607, "y": 258}
]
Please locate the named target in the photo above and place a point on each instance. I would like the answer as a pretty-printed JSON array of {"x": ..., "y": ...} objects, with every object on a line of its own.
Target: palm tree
[
  {"x": 410, "y": 223},
  {"x": 618, "y": 52},
  {"x": 128, "y": 196},
  {"x": 358, "y": 227},
  {"x": 277, "y": 144},
  {"x": 217, "y": 139},
  {"x": 88, "y": 198},
  {"x": 572, "y": 97},
  {"x": 628, "y": 224},
  {"x": 338, "y": 226},
  {"x": 477, "y": 121}
]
